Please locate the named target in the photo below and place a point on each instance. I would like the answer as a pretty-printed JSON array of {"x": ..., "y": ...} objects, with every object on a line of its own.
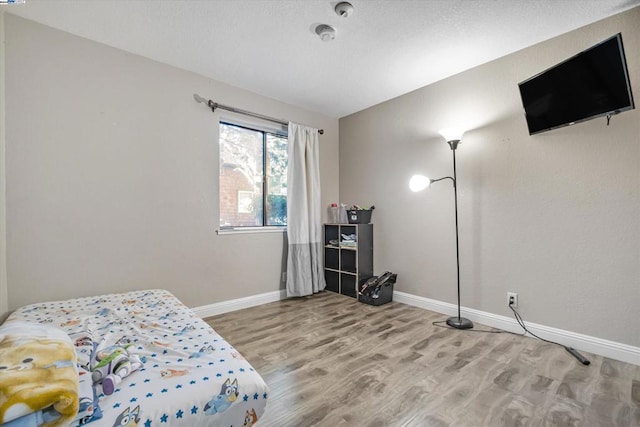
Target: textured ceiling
[{"x": 384, "y": 49}]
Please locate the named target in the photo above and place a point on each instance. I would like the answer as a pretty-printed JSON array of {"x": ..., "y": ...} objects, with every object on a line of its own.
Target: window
[{"x": 253, "y": 176}]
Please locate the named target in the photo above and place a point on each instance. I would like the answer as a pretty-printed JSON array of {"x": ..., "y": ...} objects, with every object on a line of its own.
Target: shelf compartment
[
  {"x": 332, "y": 258},
  {"x": 348, "y": 261},
  {"x": 332, "y": 278},
  {"x": 331, "y": 232},
  {"x": 348, "y": 285}
]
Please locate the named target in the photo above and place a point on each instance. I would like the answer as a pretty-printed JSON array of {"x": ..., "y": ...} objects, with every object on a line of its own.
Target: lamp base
[{"x": 459, "y": 323}]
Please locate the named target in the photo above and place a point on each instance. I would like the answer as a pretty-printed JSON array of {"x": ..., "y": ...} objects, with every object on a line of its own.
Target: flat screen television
[{"x": 591, "y": 84}]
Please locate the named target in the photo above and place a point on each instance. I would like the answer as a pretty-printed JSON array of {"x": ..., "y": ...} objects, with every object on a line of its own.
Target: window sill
[{"x": 251, "y": 230}]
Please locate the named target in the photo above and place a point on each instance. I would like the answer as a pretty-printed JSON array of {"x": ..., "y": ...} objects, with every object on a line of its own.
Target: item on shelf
[
  {"x": 343, "y": 219},
  {"x": 358, "y": 215},
  {"x": 334, "y": 217},
  {"x": 348, "y": 241}
]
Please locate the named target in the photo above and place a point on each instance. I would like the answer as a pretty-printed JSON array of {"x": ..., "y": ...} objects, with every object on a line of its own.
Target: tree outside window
[{"x": 253, "y": 177}]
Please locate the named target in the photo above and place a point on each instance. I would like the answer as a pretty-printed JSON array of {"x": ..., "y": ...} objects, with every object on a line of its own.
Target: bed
[{"x": 188, "y": 374}]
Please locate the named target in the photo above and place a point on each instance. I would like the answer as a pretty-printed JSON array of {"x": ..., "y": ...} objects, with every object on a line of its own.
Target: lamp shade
[
  {"x": 451, "y": 134},
  {"x": 419, "y": 182}
]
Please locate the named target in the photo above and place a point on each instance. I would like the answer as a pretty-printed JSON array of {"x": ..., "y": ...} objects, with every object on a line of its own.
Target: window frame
[{"x": 264, "y": 130}]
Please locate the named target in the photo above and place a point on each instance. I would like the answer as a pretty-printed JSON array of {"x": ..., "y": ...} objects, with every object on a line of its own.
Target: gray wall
[
  {"x": 3, "y": 247},
  {"x": 554, "y": 217},
  {"x": 112, "y": 175}
]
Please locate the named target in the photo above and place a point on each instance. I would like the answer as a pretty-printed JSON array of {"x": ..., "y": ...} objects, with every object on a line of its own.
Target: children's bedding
[
  {"x": 187, "y": 374},
  {"x": 37, "y": 374}
]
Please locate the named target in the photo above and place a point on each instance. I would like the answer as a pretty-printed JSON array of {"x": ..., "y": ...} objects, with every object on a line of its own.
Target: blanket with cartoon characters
[
  {"x": 38, "y": 376},
  {"x": 145, "y": 359}
]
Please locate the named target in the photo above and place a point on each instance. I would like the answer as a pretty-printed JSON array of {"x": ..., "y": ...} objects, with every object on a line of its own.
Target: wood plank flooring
[{"x": 331, "y": 361}]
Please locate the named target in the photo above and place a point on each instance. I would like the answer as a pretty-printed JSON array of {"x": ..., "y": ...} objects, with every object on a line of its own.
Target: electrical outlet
[{"x": 512, "y": 299}]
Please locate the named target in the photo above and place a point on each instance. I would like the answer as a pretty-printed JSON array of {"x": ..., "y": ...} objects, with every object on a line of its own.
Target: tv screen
[{"x": 591, "y": 84}]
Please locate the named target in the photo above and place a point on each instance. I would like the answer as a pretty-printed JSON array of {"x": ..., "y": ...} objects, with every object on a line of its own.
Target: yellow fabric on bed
[{"x": 37, "y": 371}]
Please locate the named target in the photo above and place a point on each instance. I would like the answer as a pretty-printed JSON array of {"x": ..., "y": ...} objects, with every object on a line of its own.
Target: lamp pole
[
  {"x": 457, "y": 322},
  {"x": 420, "y": 182}
]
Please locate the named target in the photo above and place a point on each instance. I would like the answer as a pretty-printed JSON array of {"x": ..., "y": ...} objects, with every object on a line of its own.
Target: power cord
[
  {"x": 440, "y": 323},
  {"x": 520, "y": 321},
  {"x": 571, "y": 350}
]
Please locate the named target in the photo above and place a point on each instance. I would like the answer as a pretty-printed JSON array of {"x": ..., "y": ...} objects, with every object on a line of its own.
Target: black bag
[{"x": 378, "y": 290}]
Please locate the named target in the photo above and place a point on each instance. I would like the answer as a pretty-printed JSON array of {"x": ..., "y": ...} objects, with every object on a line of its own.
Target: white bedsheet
[{"x": 191, "y": 375}]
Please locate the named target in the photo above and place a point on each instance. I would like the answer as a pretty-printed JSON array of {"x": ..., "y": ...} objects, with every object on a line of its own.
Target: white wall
[
  {"x": 112, "y": 175},
  {"x": 554, "y": 217}
]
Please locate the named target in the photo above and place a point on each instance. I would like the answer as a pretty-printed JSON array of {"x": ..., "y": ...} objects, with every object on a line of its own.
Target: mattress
[{"x": 190, "y": 376}]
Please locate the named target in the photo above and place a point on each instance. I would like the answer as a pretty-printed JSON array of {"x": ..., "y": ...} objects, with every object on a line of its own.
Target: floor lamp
[{"x": 419, "y": 183}]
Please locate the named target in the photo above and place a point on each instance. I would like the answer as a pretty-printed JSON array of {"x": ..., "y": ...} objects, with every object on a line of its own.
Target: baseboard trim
[
  {"x": 611, "y": 349},
  {"x": 238, "y": 303}
]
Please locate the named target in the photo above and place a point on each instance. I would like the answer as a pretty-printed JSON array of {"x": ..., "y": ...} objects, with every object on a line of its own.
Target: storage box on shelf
[
  {"x": 345, "y": 267},
  {"x": 359, "y": 216}
]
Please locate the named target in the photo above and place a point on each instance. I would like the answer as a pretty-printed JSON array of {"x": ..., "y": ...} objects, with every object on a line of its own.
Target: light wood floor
[{"x": 331, "y": 361}]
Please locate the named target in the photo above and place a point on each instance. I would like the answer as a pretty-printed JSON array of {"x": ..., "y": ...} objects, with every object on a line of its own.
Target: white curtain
[{"x": 305, "y": 274}]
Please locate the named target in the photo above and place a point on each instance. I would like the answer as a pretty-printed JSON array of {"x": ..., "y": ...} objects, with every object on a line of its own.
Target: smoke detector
[
  {"x": 326, "y": 32},
  {"x": 344, "y": 9}
]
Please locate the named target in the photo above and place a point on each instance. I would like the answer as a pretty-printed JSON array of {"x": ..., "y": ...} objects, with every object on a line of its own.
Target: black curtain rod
[{"x": 214, "y": 105}]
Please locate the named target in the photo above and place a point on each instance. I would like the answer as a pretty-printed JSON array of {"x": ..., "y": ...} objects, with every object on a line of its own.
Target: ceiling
[{"x": 384, "y": 49}]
